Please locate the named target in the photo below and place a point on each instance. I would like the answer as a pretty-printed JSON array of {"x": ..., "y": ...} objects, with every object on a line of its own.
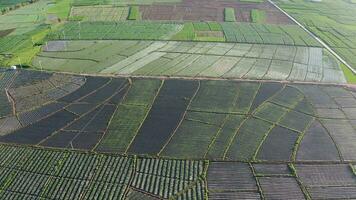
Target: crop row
[{"x": 189, "y": 59}]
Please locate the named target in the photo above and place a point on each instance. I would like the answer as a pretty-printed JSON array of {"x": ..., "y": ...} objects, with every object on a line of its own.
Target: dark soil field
[{"x": 211, "y": 10}]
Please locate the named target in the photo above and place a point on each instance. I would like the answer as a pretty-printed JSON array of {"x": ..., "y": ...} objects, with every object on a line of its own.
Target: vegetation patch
[
  {"x": 258, "y": 16},
  {"x": 229, "y": 15}
]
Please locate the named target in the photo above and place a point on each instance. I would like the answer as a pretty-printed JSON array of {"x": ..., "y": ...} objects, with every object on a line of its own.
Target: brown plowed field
[{"x": 211, "y": 10}]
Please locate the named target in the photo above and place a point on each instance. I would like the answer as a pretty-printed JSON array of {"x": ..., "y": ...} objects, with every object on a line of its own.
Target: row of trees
[{"x": 16, "y": 6}]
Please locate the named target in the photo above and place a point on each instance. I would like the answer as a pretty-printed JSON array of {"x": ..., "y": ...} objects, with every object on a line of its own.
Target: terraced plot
[
  {"x": 190, "y": 10},
  {"x": 188, "y": 59},
  {"x": 99, "y": 13},
  {"x": 154, "y": 30},
  {"x": 206, "y": 119},
  {"x": 33, "y": 173}
]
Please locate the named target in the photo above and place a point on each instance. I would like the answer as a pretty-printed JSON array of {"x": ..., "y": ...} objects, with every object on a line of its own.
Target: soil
[{"x": 211, "y": 10}]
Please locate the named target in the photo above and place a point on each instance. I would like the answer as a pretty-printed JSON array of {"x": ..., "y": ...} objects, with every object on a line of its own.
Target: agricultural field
[
  {"x": 120, "y": 115},
  {"x": 336, "y": 26},
  {"x": 232, "y": 32},
  {"x": 192, "y": 10},
  {"x": 189, "y": 59},
  {"x": 99, "y": 13},
  {"x": 177, "y": 99},
  {"x": 285, "y": 139}
]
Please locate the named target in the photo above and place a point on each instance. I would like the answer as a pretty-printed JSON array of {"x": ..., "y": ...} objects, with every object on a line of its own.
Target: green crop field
[
  {"x": 177, "y": 99},
  {"x": 99, "y": 13},
  {"x": 229, "y": 15},
  {"x": 336, "y": 26},
  {"x": 121, "y": 2},
  {"x": 189, "y": 59}
]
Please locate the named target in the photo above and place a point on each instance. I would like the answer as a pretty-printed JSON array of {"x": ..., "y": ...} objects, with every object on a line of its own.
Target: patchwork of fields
[
  {"x": 189, "y": 59},
  {"x": 216, "y": 120},
  {"x": 176, "y": 99},
  {"x": 32, "y": 173},
  {"x": 336, "y": 26},
  {"x": 190, "y": 10},
  {"x": 263, "y": 125}
]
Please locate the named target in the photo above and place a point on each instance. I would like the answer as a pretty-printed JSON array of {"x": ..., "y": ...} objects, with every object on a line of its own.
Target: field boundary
[{"x": 315, "y": 37}]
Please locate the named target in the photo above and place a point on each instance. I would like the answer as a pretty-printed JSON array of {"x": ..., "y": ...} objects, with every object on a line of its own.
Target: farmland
[
  {"x": 117, "y": 118},
  {"x": 177, "y": 99},
  {"x": 120, "y": 115},
  {"x": 189, "y": 59},
  {"x": 334, "y": 26},
  {"x": 190, "y": 10}
]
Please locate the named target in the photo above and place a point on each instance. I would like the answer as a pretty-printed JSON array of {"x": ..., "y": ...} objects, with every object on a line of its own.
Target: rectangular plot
[
  {"x": 62, "y": 188},
  {"x": 296, "y": 120},
  {"x": 211, "y": 94},
  {"x": 154, "y": 65},
  {"x": 220, "y": 143},
  {"x": 299, "y": 72},
  {"x": 241, "y": 68},
  {"x": 91, "y": 84},
  {"x": 344, "y": 136},
  {"x": 279, "y": 70},
  {"x": 270, "y": 112},
  {"x": 130, "y": 115},
  {"x": 86, "y": 140},
  {"x": 97, "y": 120},
  {"x": 220, "y": 67},
  {"x": 332, "y": 192},
  {"x": 202, "y": 63},
  {"x": 80, "y": 108},
  {"x": 234, "y": 195},
  {"x": 278, "y": 145},
  {"x": 317, "y": 97},
  {"x": 61, "y": 139},
  {"x": 29, "y": 183},
  {"x": 317, "y": 145},
  {"x": 141, "y": 63},
  {"x": 327, "y": 174},
  {"x": 38, "y": 131},
  {"x": 230, "y": 176},
  {"x": 288, "y": 97},
  {"x": 191, "y": 140},
  {"x": 39, "y": 113},
  {"x": 167, "y": 111},
  {"x": 239, "y": 50},
  {"x": 99, "y": 190},
  {"x": 272, "y": 169},
  {"x": 280, "y": 188},
  {"x": 248, "y": 139},
  {"x": 181, "y": 65},
  {"x": 105, "y": 92},
  {"x": 259, "y": 69}
]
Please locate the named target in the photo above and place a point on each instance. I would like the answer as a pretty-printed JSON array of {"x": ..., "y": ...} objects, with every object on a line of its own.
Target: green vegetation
[
  {"x": 229, "y": 15},
  {"x": 190, "y": 59},
  {"x": 200, "y": 31},
  {"x": 267, "y": 34},
  {"x": 336, "y": 26},
  {"x": 350, "y": 76},
  {"x": 129, "y": 116},
  {"x": 99, "y": 13},
  {"x": 258, "y": 16},
  {"x": 115, "y": 30},
  {"x": 121, "y": 2},
  {"x": 61, "y": 9},
  {"x": 134, "y": 13}
]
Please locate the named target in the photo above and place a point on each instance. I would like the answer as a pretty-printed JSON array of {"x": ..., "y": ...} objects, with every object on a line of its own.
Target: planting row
[
  {"x": 35, "y": 173},
  {"x": 146, "y": 30},
  {"x": 189, "y": 59},
  {"x": 217, "y": 120}
]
